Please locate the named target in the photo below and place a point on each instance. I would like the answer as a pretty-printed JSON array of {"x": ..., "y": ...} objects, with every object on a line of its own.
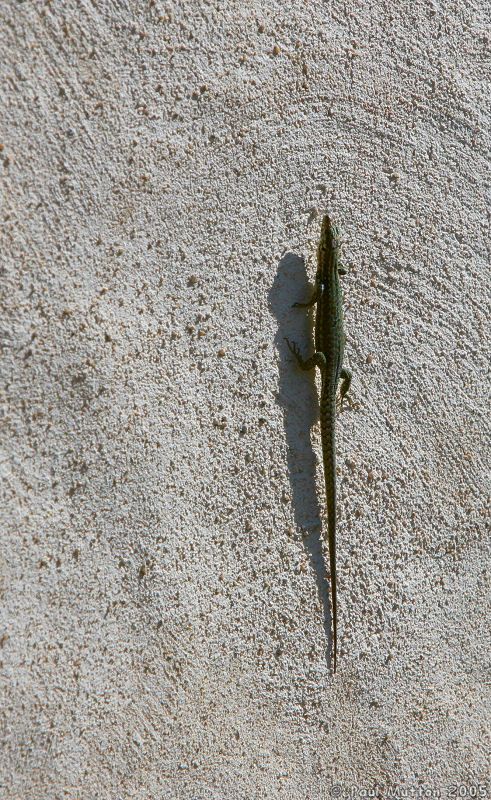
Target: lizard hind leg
[
  {"x": 317, "y": 360},
  {"x": 345, "y": 376}
]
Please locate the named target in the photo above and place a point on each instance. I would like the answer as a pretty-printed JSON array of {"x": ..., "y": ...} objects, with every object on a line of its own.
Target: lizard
[{"x": 328, "y": 357}]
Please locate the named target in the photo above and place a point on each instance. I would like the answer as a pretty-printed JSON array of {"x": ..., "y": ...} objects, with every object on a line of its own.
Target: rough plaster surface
[{"x": 164, "y": 615}]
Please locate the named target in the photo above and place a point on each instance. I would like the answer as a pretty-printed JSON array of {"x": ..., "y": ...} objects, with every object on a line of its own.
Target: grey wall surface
[{"x": 164, "y": 608}]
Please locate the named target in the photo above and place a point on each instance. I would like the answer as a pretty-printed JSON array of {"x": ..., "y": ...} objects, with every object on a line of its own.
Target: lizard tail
[{"x": 328, "y": 423}]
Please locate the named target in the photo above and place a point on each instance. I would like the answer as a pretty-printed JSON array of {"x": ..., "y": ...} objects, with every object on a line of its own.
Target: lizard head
[
  {"x": 329, "y": 245},
  {"x": 330, "y": 237}
]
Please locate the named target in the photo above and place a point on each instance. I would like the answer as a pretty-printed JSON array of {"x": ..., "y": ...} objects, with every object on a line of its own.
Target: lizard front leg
[{"x": 313, "y": 300}]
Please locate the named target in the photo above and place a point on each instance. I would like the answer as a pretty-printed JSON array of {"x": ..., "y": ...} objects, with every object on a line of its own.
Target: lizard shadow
[{"x": 298, "y": 397}]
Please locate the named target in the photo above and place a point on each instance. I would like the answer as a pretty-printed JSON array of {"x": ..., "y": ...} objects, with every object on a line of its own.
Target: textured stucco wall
[{"x": 163, "y": 611}]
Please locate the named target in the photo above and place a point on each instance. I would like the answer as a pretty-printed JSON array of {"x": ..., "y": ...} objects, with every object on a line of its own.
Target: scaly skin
[{"x": 328, "y": 356}]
